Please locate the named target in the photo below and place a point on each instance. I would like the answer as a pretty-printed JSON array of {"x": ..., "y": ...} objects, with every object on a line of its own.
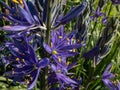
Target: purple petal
[
  {"x": 92, "y": 53},
  {"x": 73, "y": 13},
  {"x": 54, "y": 38},
  {"x": 44, "y": 62},
  {"x": 107, "y": 75},
  {"x": 53, "y": 67},
  {"x": 66, "y": 79},
  {"x": 26, "y": 15},
  {"x": 104, "y": 20},
  {"x": 109, "y": 84},
  {"x": 47, "y": 48},
  {"x": 33, "y": 55},
  {"x": 108, "y": 68},
  {"x": 15, "y": 28},
  {"x": 34, "y": 75},
  {"x": 70, "y": 47},
  {"x": 66, "y": 53}
]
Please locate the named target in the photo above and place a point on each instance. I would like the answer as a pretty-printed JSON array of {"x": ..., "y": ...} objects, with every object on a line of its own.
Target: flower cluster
[
  {"x": 42, "y": 52},
  {"x": 25, "y": 65}
]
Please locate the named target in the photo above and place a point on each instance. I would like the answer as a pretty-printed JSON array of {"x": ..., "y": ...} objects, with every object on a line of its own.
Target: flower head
[
  {"x": 98, "y": 13},
  {"x": 106, "y": 79},
  {"x": 25, "y": 65},
  {"x": 62, "y": 78},
  {"x": 21, "y": 17},
  {"x": 62, "y": 45}
]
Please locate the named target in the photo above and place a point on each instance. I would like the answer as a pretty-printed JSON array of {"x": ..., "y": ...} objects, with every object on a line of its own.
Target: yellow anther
[
  {"x": 59, "y": 59},
  {"x": 17, "y": 59},
  {"x": 68, "y": 39},
  {"x": 116, "y": 82},
  {"x": 15, "y": 1},
  {"x": 68, "y": 63},
  {"x": 9, "y": 55},
  {"x": 58, "y": 71},
  {"x": 54, "y": 52},
  {"x": 60, "y": 37},
  {"x": 51, "y": 44},
  {"x": 31, "y": 78},
  {"x": 23, "y": 60},
  {"x": 74, "y": 50},
  {"x": 78, "y": 40},
  {"x": 18, "y": 2},
  {"x": 13, "y": 71},
  {"x": 27, "y": 81}
]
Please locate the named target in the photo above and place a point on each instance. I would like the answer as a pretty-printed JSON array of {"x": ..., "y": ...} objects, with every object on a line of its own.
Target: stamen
[
  {"x": 23, "y": 60},
  {"x": 58, "y": 71},
  {"x": 116, "y": 82},
  {"x": 31, "y": 78},
  {"x": 68, "y": 39},
  {"x": 15, "y": 1},
  {"x": 54, "y": 52},
  {"x": 60, "y": 37},
  {"x": 51, "y": 44},
  {"x": 74, "y": 50},
  {"x": 13, "y": 71},
  {"x": 59, "y": 59},
  {"x": 9, "y": 55},
  {"x": 18, "y": 2},
  {"x": 17, "y": 59},
  {"x": 68, "y": 63},
  {"x": 27, "y": 81}
]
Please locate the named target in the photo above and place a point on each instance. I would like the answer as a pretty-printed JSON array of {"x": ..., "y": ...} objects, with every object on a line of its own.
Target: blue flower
[
  {"x": 62, "y": 45},
  {"x": 107, "y": 75},
  {"x": 21, "y": 17},
  {"x": 25, "y": 16},
  {"x": 59, "y": 74},
  {"x": 62, "y": 78},
  {"x": 76, "y": 11},
  {"x": 25, "y": 65},
  {"x": 115, "y": 1},
  {"x": 97, "y": 14}
]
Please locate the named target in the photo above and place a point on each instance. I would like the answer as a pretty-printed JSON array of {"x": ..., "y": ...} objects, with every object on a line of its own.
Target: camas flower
[
  {"x": 115, "y": 1},
  {"x": 32, "y": 15},
  {"x": 61, "y": 77},
  {"x": 106, "y": 79},
  {"x": 97, "y": 14},
  {"x": 21, "y": 17},
  {"x": 62, "y": 45},
  {"x": 107, "y": 74},
  {"x": 59, "y": 72},
  {"x": 25, "y": 65}
]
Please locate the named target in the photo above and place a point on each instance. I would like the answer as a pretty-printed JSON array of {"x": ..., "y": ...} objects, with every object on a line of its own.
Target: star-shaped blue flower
[
  {"x": 25, "y": 65},
  {"x": 62, "y": 45}
]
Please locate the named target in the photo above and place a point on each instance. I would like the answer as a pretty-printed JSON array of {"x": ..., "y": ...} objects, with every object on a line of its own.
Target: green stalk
[
  {"x": 48, "y": 23},
  {"x": 44, "y": 74}
]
